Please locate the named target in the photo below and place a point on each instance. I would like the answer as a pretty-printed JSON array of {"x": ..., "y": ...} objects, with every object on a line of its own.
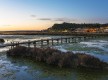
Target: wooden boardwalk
[{"x": 49, "y": 42}]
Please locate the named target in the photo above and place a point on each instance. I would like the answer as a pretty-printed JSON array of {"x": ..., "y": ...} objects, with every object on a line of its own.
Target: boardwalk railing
[{"x": 49, "y": 42}]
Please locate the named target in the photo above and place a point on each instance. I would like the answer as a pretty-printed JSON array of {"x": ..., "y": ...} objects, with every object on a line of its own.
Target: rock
[
  {"x": 2, "y": 40},
  {"x": 57, "y": 58}
]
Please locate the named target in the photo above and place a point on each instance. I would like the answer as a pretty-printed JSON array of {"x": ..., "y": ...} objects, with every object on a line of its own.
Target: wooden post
[
  {"x": 41, "y": 43},
  {"x": 90, "y": 37},
  {"x": 66, "y": 40},
  {"x": 11, "y": 45},
  {"x": 61, "y": 40},
  {"x": 29, "y": 43},
  {"x": 75, "y": 39},
  {"x": 78, "y": 39},
  {"x": 52, "y": 41},
  {"x": 57, "y": 41},
  {"x": 84, "y": 38},
  {"x": 72, "y": 40},
  {"x": 47, "y": 42},
  {"x": 17, "y": 43},
  {"x": 34, "y": 43}
]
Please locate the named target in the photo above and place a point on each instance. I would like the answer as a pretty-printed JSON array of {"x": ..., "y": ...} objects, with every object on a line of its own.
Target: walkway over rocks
[{"x": 49, "y": 42}]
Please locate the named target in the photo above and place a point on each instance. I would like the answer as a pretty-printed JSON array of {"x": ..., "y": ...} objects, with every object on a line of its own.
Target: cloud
[
  {"x": 33, "y": 16},
  {"x": 101, "y": 19},
  {"x": 57, "y": 19},
  {"x": 96, "y": 20},
  {"x": 77, "y": 20},
  {"x": 7, "y": 25},
  {"x": 65, "y": 19},
  {"x": 45, "y": 19}
]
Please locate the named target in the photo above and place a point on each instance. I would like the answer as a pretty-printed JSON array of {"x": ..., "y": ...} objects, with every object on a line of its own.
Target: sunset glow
[{"x": 41, "y": 14}]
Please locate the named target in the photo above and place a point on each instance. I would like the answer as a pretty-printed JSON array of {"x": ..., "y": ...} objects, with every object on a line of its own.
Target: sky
[{"x": 41, "y": 14}]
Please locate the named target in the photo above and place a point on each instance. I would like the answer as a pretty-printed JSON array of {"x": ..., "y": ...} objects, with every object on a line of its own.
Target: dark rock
[
  {"x": 57, "y": 58},
  {"x": 2, "y": 40}
]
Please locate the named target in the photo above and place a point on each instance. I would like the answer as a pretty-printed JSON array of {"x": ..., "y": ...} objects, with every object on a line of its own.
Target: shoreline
[{"x": 51, "y": 33}]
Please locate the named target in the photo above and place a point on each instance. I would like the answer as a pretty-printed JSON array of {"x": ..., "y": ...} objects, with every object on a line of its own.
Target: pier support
[
  {"x": 41, "y": 43},
  {"x": 66, "y": 40},
  {"x": 61, "y": 40},
  {"x": 52, "y": 41},
  {"x": 34, "y": 43},
  {"x": 57, "y": 41},
  {"x": 29, "y": 44},
  {"x": 47, "y": 42},
  {"x": 69, "y": 40}
]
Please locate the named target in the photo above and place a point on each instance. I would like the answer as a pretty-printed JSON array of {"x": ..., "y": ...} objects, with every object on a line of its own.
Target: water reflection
[{"x": 26, "y": 69}]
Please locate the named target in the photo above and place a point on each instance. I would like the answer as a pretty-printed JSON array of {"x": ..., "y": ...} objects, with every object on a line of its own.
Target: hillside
[{"x": 74, "y": 26}]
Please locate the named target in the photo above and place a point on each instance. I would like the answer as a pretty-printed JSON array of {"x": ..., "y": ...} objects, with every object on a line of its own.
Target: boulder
[{"x": 2, "y": 40}]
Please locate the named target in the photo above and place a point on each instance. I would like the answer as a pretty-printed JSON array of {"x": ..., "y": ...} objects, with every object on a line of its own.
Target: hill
[{"x": 73, "y": 26}]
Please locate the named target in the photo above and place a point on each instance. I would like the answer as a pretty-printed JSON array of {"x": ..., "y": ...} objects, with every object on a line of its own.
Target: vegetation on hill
[{"x": 74, "y": 26}]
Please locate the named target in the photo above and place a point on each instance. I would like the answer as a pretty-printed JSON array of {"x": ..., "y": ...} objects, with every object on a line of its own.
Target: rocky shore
[{"x": 57, "y": 58}]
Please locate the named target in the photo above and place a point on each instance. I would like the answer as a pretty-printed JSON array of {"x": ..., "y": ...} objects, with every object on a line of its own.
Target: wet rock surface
[
  {"x": 2, "y": 40},
  {"x": 57, "y": 58}
]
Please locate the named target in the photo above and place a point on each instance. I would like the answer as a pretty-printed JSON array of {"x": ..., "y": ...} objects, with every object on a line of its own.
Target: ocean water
[{"x": 25, "y": 69}]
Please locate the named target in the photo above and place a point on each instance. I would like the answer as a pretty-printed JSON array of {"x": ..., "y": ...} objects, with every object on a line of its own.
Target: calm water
[{"x": 24, "y": 69}]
